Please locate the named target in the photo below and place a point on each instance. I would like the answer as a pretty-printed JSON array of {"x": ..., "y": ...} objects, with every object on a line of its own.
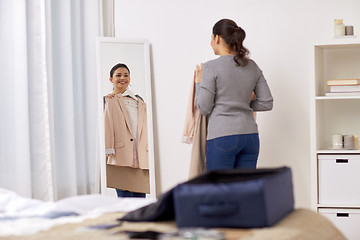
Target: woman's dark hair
[
  {"x": 119, "y": 65},
  {"x": 234, "y": 36}
]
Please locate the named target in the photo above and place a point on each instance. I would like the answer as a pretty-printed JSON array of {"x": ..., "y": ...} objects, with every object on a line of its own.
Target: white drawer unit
[
  {"x": 346, "y": 220},
  {"x": 339, "y": 176}
]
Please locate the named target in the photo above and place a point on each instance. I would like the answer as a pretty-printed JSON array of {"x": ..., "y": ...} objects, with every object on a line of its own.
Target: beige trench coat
[{"x": 121, "y": 171}]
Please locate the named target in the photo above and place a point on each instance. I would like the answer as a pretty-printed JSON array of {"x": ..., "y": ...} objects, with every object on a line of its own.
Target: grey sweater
[{"x": 224, "y": 95}]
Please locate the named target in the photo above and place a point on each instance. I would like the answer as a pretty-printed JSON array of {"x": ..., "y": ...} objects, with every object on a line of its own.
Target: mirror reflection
[{"x": 127, "y": 164}]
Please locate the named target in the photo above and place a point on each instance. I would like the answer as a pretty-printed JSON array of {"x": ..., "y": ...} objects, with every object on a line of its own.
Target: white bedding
[{"x": 22, "y": 216}]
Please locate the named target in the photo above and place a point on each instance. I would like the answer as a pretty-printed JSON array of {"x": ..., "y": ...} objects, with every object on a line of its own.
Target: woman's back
[
  {"x": 224, "y": 89},
  {"x": 224, "y": 94}
]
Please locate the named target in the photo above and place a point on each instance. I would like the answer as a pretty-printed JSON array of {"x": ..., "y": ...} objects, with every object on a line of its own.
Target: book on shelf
[
  {"x": 331, "y": 94},
  {"x": 345, "y": 88},
  {"x": 342, "y": 82}
]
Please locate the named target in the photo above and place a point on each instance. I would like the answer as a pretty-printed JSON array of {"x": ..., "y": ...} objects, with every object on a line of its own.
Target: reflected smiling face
[{"x": 120, "y": 80}]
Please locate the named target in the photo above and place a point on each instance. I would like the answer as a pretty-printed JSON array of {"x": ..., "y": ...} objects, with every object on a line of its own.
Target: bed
[{"x": 87, "y": 217}]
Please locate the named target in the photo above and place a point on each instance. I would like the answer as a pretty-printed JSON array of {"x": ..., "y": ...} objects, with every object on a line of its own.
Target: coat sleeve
[{"x": 109, "y": 128}]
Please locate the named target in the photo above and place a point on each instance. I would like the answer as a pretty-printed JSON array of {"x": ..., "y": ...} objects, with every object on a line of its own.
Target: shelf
[
  {"x": 336, "y": 97},
  {"x": 340, "y": 43},
  {"x": 345, "y": 37},
  {"x": 337, "y": 206},
  {"x": 326, "y": 151}
]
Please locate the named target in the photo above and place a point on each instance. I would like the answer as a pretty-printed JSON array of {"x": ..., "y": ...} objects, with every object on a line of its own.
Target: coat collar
[
  {"x": 141, "y": 112},
  {"x": 129, "y": 93}
]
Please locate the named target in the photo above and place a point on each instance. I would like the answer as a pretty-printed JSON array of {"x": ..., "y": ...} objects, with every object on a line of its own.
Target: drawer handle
[
  {"x": 342, "y": 160},
  {"x": 342, "y": 214}
]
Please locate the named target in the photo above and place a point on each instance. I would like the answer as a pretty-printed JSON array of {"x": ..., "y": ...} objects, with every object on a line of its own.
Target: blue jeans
[
  {"x": 125, "y": 193},
  {"x": 235, "y": 151}
]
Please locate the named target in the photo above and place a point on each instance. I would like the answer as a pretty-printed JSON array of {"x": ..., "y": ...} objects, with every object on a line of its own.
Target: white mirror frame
[{"x": 103, "y": 69}]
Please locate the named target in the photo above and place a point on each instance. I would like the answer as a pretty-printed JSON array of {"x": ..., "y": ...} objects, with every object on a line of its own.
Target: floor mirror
[{"x": 135, "y": 54}]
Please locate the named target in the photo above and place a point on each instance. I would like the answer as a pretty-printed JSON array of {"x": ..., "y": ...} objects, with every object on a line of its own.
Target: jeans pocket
[{"x": 226, "y": 144}]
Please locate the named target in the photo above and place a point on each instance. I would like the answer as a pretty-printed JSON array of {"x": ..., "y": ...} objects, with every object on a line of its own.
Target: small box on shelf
[{"x": 343, "y": 142}]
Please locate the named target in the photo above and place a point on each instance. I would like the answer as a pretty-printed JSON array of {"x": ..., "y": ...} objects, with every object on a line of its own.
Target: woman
[
  {"x": 224, "y": 87},
  {"x": 126, "y": 141}
]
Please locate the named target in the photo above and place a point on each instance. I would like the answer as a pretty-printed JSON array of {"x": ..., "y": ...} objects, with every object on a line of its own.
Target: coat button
[{"x": 131, "y": 139}]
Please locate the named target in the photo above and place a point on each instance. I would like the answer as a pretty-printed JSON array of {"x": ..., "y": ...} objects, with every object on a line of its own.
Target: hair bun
[
  {"x": 239, "y": 29},
  {"x": 234, "y": 36}
]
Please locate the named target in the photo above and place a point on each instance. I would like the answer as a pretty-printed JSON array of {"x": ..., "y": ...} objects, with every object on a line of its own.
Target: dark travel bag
[{"x": 231, "y": 198}]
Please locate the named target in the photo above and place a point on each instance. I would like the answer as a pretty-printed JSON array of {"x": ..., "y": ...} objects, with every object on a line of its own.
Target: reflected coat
[{"x": 119, "y": 140}]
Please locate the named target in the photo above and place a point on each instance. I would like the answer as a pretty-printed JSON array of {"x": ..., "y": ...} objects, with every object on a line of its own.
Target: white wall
[{"x": 279, "y": 35}]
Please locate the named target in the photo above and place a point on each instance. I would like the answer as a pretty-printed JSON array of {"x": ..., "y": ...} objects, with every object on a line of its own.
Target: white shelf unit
[{"x": 334, "y": 115}]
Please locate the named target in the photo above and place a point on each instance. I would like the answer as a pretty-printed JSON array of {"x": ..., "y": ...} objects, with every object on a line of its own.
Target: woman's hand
[
  {"x": 198, "y": 72},
  {"x": 253, "y": 97},
  {"x": 109, "y": 96}
]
